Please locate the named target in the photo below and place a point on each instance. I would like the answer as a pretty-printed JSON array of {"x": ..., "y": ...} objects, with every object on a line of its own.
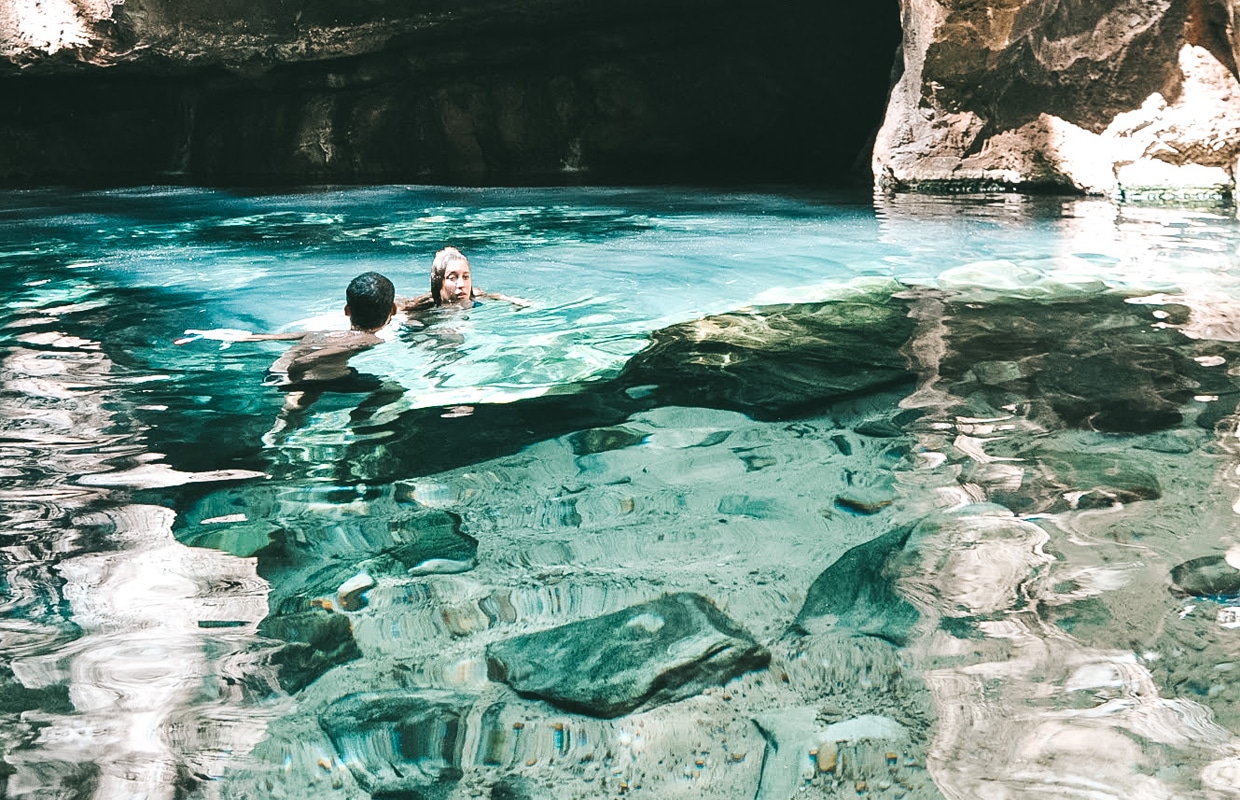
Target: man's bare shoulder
[
  {"x": 323, "y": 355},
  {"x": 349, "y": 339},
  {"x": 420, "y": 303}
]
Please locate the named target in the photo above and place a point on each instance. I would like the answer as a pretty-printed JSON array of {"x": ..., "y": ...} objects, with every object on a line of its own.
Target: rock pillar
[{"x": 1129, "y": 99}]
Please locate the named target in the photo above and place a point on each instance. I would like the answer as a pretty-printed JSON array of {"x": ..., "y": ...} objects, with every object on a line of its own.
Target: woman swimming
[{"x": 452, "y": 285}]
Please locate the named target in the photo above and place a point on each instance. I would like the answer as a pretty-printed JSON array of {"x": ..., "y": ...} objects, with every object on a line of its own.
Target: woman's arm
[{"x": 516, "y": 301}]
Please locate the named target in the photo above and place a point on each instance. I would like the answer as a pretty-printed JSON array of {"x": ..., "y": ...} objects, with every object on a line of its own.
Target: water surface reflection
[{"x": 936, "y": 472}]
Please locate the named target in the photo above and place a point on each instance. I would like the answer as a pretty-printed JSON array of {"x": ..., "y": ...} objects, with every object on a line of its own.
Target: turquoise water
[{"x": 1024, "y": 405}]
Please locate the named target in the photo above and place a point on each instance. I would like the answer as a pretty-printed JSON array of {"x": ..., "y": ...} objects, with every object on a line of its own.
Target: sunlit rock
[
  {"x": 400, "y": 744},
  {"x": 1129, "y": 99},
  {"x": 856, "y": 592},
  {"x": 778, "y": 361},
  {"x": 865, "y": 500},
  {"x": 350, "y": 595},
  {"x": 641, "y": 657}
]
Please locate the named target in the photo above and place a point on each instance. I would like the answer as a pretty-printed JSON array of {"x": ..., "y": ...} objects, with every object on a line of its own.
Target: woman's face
[{"x": 458, "y": 287}]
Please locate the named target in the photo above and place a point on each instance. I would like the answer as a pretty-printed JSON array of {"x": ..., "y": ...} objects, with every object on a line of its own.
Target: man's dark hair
[{"x": 370, "y": 297}]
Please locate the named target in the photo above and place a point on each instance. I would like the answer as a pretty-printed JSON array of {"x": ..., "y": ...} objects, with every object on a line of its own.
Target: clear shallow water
[{"x": 1057, "y": 450}]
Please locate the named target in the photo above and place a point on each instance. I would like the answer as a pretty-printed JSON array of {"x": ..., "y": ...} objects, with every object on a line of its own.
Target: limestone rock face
[{"x": 1125, "y": 98}]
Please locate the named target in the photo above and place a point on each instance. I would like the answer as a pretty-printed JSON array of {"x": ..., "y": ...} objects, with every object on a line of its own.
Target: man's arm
[
  {"x": 272, "y": 337},
  {"x": 227, "y": 336}
]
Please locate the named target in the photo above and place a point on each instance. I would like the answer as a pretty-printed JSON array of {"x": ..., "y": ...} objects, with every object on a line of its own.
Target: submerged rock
[
  {"x": 865, "y": 500},
  {"x": 602, "y": 440},
  {"x": 643, "y": 656},
  {"x": 796, "y": 737},
  {"x": 778, "y": 361},
  {"x": 1123, "y": 390},
  {"x": 1205, "y": 577},
  {"x": 788, "y": 733},
  {"x": 770, "y": 362},
  {"x": 314, "y": 642},
  {"x": 1097, "y": 480},
  {"x": 16, "y": 698},
  {"x": 350, "y": 596},
  {"x": 311, "y": 543},
  {"x": 1063, "y": 480},
  {"x": 400, "y": 744},
  {"x": 856, "y": 592},
  {"x": 1093, "y": 362},
  {"x": 514, "y": 787}
]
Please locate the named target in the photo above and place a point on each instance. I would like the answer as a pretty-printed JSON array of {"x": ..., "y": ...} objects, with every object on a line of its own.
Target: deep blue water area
[{"x": 763, "y": 494}]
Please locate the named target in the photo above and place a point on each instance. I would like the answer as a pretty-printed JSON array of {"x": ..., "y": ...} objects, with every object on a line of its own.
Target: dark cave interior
[{"x": 678, "y": 93}]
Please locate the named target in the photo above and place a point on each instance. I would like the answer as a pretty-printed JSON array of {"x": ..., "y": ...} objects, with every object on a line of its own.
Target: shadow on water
[
  {"x": 1094, "y": 363},
  {"x": 772, "y": 363}
]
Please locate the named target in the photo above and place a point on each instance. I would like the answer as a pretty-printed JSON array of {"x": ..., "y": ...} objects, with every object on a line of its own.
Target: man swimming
[{"x": 322, "y": 356}]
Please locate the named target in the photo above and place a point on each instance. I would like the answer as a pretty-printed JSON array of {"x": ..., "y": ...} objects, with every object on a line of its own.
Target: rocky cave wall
[
  {"x": 1134, "y": 98},
  {"x": 477, "y": 91},
  {"x": 1127, "y": 98}
]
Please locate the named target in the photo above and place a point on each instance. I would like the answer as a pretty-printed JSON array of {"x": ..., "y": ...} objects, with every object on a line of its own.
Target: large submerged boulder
[
  {"x": 643, "y": 656},
  {"x": 1206, "y": 576},
  {"x": 1100, "y": 363},
  {"x": 1126, "y": 98},
  {"x": 857, "y": 593},
  {"x": 777, "y": 362}
]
